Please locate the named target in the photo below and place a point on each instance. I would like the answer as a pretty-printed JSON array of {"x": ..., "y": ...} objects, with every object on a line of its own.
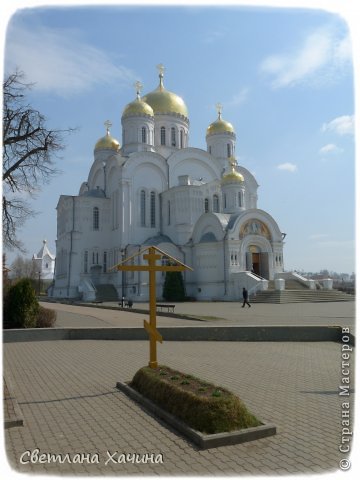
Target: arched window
[
  {"x": 169, "y": 212},
  {"x": 173, "y": 137},
  {"x": 229, "y": 150},
  {"x": 96, "y": 218},
  {"x": 206, "y": 205},
  {"x": 143, "y": 135},
  {"x": 142, "y": 208},
  {"x": 216, "y": 208},
  {"x": 162, "y": 136},
  {"x": 224, "y": 200},
  {"x": 240, "y": 199},
  {"x": 152, "y": 210},
  {"x": 181, "y": 138},
  {"x": 209, "y": 149}
]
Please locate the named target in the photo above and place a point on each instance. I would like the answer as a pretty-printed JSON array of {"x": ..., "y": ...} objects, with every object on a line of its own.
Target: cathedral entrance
[{"x": 257, "y": 261}]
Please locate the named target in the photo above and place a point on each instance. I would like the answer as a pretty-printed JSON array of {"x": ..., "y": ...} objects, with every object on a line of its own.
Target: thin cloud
[
  {"x": 239, "y": 98},
  {"x": 318, "y": 236},
  {"x": 288, "y": 167},
  {"x": 343, "y": 125},
  {"x": 213, "y": 36},
  {"x": 341, "y": 244},
  {"x": 330, "y": 149},
  {"x": 320, "y": 58},
  {"x": 57, "y": 61}
]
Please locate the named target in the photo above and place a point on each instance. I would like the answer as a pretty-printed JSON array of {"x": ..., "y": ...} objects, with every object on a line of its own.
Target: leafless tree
[
  {"x": 23, "y": 268},
  {"x": 29, "y": 149}
]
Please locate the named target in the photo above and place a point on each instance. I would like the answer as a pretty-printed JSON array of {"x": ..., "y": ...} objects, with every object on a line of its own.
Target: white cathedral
[{"x": 198, "y": 206}]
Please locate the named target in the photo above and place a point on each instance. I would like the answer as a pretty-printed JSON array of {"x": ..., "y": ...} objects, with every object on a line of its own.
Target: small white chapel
[{"x": 152, "y": 188}]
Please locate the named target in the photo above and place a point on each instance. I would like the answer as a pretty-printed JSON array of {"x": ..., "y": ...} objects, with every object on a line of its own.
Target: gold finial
[
  {"x": 161, "y": 69},
  {"x": 138, "y": 86},
  {"x": 219, "y": 108},
  {"x": 108, "y": 124},
  {"x": 232, "y": 164}
]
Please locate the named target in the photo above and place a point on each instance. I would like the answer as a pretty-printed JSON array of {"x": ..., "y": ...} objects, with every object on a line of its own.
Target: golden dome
[
  {"x": 220, "y": 125},
  {"x": 233, "y": 176},
  {"x": 138, "y": 106},
  {"x": 107, "y": 142},
  {"x": 163, "y": 101}
]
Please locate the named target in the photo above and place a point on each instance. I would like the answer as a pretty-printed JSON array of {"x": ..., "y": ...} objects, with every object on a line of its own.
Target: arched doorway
[
  {"x": 257, "y": 261},
  {"x": 254, "y": 259}
]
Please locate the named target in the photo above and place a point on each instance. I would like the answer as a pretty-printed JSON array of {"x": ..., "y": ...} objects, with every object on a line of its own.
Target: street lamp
[{"x": 122, "y": 251}]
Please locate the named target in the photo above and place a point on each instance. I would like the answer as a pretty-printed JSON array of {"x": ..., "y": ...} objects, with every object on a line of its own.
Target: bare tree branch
[{"x": 29, "y": 150}]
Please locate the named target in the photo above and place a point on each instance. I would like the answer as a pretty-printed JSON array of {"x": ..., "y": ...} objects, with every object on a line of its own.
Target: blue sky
[{"x": 284, "y": 77}]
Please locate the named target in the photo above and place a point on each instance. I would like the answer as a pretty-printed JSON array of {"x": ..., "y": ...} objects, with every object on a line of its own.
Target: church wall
[
  {"x": 208, "y": 265},
  {"x": 181, "y": 207},
  {"x": 148, "y": 181}
]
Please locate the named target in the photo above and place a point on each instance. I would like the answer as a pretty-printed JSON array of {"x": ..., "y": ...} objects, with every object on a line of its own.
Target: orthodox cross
[
  {"x": 108, "y": 125},
  {"x": 138, "y": 86},
  {"x": 219, "y": 108},
  {"x": 161, "y": 69},
  {"x": 233, "y": 162},
  {"x": 152, "y": 256}
]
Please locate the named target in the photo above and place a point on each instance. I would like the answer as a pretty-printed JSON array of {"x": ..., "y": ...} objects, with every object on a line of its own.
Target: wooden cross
[{"x": 152, "y": 256}]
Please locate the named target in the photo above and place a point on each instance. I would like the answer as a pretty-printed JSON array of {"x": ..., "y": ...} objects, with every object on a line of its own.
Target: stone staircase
[
  {"x": 295, "y": 292},
  {"x": 106, "y": 293}
]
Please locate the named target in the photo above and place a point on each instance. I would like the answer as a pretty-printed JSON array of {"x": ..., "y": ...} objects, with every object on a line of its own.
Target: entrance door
[{"x": 256, "y": 263}]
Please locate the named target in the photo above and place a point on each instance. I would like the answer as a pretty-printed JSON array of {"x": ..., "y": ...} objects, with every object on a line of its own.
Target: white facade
[
  {"x": 44, "y": 262},
  {"x": 199, "y": 206}
]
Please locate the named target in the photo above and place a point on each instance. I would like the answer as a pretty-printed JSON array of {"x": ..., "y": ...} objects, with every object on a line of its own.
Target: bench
[
  {"x": 126, "y": 303},
  {"x": 165, "y": 305}
]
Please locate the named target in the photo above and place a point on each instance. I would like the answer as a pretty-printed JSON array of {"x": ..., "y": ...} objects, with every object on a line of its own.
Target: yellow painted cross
[{"x": 152, "y": 256}]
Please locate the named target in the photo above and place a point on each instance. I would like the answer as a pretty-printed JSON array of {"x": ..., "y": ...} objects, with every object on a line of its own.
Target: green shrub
[
  {"x": 201, "y": 411},
  {"x": 46, "y": 318},
  {"x": 21, "y": 306},
  {"x": 174, "y": 290}
]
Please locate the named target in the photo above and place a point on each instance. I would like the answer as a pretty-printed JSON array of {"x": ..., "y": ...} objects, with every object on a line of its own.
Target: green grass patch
[{"x": 201, "y": 405}]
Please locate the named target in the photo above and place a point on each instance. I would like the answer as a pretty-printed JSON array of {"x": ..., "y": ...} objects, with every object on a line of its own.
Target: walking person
[{"x": 245, "y": 298}]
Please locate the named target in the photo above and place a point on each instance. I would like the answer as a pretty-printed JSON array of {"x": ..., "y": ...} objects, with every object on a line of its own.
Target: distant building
[
  {"x": 44, "y": 262},
  {"x": 197, "y": 205}
]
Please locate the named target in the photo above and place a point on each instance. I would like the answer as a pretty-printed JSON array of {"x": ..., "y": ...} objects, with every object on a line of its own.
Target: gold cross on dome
[
  {"x": 219, "y": 108},
  {"x": 233, "y": 162},
  {"x": 139, "y": 86},
  {"x": 161, "y": 69},
  {"x": 108, "y": 125}
]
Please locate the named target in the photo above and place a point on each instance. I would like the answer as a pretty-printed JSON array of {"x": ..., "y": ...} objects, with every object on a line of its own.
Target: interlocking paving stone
[{"x": 66, "y": 391}]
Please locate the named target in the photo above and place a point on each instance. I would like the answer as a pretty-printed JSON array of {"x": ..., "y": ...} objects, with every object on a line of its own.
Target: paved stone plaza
[
  {"x": 66, "y": 392},
  {"x": 213, "y": 313}
]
